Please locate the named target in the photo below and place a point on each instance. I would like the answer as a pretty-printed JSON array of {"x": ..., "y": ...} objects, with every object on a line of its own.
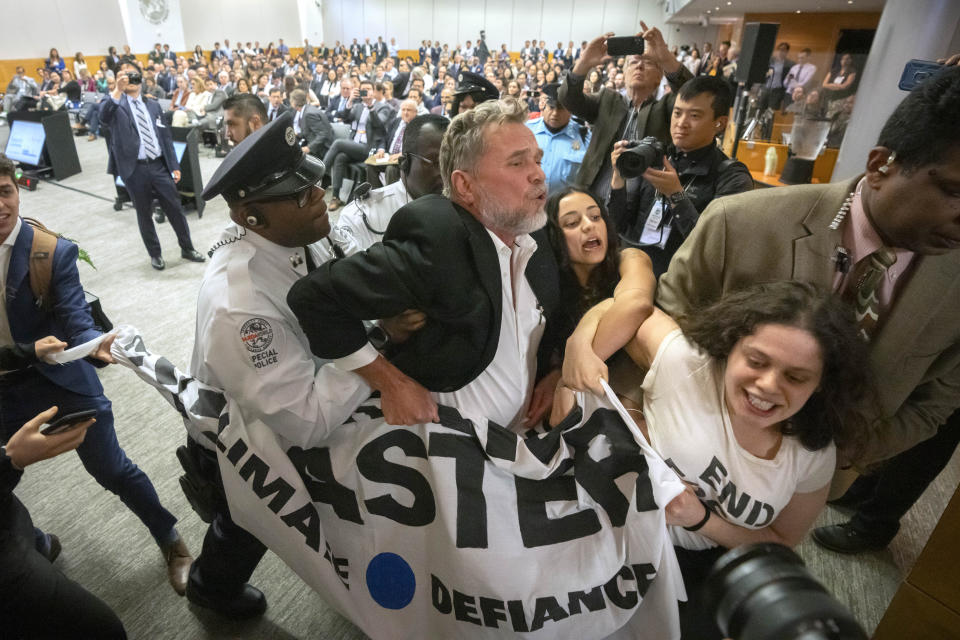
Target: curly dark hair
[
  {"x": 837, "y": 410},
  {"x": 574, "y": 299}
]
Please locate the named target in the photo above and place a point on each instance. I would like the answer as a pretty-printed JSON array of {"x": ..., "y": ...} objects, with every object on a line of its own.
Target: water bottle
[{"x": 770, "y": 162}]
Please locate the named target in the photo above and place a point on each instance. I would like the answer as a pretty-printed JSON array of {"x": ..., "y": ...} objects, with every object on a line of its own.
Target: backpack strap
[{"x": 41, "y": 263}]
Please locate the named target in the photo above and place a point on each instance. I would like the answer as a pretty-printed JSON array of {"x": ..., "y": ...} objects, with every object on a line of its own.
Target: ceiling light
[
  {"x": 798, "y": 10},
  {"x": 730, "y": 3},
  {"x": 708, "y": 10}
]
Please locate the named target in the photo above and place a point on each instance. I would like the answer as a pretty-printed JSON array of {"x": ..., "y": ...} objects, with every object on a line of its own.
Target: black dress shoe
[
  {"x": 159, "y": 217},
  {"x": 157, "y": 263},
  {"x": 249, "y": 603},
  {"x": 845, "y": 538},
  {"x": 53, "y": 549},
  {"x": 192, "y": 255},
  {"x": 847, "y": 502}
]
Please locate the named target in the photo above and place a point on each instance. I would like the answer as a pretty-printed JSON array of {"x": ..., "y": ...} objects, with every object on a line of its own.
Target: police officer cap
[
  {"x": 268, "y": 163},
  {"x": 468, "y": 82},
  {"x": 550, "y": 90}
]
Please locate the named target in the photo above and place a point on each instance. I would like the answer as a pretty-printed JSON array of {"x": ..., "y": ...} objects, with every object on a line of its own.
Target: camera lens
[
  {"x": 640, "y": 156},
  {"x": 764, "y": 592}
]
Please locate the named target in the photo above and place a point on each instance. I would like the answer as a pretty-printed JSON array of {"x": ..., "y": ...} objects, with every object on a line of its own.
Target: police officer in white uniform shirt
[
  {"x": 364, "y": 221},
  {"x": 248, "y": 342}
]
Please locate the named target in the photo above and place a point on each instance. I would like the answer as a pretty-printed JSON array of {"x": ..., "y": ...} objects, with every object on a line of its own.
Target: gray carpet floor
[{"x": 105, "y": 547}]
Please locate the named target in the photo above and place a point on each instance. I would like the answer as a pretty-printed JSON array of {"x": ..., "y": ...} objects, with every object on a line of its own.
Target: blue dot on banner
[{"x": 391, "y": 581}]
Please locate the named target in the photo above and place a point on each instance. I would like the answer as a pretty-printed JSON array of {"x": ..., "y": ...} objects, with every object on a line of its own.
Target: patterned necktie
[
  {"x": 868, "y": 275},
  {"x": 398, "y": 139},
  {"x": 146, "y": 131}
]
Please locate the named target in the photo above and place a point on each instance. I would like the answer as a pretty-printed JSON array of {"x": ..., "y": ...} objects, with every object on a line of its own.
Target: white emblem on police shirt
[
  {"x": 257, "y": 336},
  {"x": 290, "y": 136}
]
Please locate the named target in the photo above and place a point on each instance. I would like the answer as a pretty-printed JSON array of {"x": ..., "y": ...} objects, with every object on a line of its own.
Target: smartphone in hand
[
  {"x": 625, "y": 46},
  {"x": 67, "y": 422},
  {"x": 916, "y": 71}
]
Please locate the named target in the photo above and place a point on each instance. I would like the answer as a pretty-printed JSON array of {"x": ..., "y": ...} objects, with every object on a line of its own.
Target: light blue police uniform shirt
[{"x": 562, "y": 152}]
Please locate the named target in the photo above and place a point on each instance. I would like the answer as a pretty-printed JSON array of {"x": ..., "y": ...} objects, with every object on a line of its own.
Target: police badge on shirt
[{"x": 257, "y": 337}]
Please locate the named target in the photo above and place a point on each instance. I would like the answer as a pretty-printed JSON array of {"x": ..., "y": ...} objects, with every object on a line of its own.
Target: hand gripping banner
[{"x": 460, "y": 529}]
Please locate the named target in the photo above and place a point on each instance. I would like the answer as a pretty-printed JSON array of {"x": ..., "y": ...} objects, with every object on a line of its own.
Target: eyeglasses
[
  {"x": 426, "y": 161},
  {"x": 301, "y": 197},
  {"x": 647, "y": 63}
]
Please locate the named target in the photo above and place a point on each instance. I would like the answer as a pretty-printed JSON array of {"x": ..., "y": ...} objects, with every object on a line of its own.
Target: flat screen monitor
[
  {"x": 178, "y": 147},
  {"x": 25, "y": 143}
]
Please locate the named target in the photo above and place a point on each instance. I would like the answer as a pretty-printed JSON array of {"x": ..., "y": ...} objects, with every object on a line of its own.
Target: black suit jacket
[
  {"x": 435, "y": 256},
  {"x": 376, "y": 122},
  {"x": 125, "y": 137},
  {"x": 336, "y": 105},
  {"x": 168, "y": 81},
  {"x": 400, "y": 84},
  {"x": 282, "y": 109},
  {"x": 391, "y": 131},
  {"x": 316, "y": 130}
]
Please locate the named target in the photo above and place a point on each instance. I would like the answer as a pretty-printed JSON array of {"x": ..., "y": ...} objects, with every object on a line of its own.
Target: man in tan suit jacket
[{"x": 911, "y": 197}]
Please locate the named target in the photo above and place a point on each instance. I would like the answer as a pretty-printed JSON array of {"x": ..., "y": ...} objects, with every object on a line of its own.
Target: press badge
[{"x": 653, "y": 234}]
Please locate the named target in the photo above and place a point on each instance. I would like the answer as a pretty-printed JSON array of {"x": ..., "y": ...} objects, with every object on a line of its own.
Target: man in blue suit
[
  {"x": 73, "y": 386},
  {"x": 141, "y": 153}
]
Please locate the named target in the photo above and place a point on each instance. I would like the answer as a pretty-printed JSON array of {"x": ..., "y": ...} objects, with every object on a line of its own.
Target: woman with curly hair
[{"x": 748, "y": 401}]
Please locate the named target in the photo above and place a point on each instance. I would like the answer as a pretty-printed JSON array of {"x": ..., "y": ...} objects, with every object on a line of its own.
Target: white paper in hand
[{"x": 77, "y": 352}]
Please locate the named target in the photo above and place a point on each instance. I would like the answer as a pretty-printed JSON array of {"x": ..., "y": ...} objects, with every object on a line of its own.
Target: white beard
[{"x": 497, "y": 217}]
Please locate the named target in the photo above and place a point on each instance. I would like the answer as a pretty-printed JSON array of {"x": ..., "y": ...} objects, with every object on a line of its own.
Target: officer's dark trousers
[
  {"x": 150, "y": 180},
  {"x": 36, "y": 600},
  {"x": 886, "y": 495},
  {"x": 100, "y": 453},
  {"x": 230, "y": 553}
]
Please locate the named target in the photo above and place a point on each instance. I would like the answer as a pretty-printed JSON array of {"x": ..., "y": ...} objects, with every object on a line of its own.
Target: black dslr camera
[
  {"x": 764, "y": 592},
  {"x": 639, "y": 156},
  {"x": 134, "y": 77}
]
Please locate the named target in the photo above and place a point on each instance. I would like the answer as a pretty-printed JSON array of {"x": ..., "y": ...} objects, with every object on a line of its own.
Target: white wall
[
  {"x": 209, "y": 21},
  {"x": 30, "y": 29},
  {"x": 160, "y": 23},
  {"x": 311, "y": 20},
  {"x": 93, "y": 25},
  {"x": 505, "y": 21}
]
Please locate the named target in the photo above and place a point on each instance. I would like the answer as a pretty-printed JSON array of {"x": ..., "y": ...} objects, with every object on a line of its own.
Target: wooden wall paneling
[{"x": 818, "y": 31}]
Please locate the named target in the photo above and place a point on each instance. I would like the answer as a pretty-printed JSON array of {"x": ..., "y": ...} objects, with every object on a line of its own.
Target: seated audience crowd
[{"x": 595, "y": 187}]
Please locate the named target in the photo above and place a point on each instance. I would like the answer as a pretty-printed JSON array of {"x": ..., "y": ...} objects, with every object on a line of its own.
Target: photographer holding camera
[
  {"x": 614, "y": 117},
  {"x": 141, "y": 153},
  {"x": 675, "y": 184}
]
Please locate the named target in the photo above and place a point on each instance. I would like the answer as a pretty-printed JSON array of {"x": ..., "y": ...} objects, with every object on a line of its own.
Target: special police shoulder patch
[
  {"x": 290, "y": 136},
  {"x": 256, "y": 334}
]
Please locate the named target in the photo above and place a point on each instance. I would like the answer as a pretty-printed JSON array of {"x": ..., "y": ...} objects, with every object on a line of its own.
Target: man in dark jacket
[
  {"x": 615, "y": 118},
  {"x": 665, "y": 203},
  {"x": 311, "y": 124},
  {"x": 454, "y": 258}
]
